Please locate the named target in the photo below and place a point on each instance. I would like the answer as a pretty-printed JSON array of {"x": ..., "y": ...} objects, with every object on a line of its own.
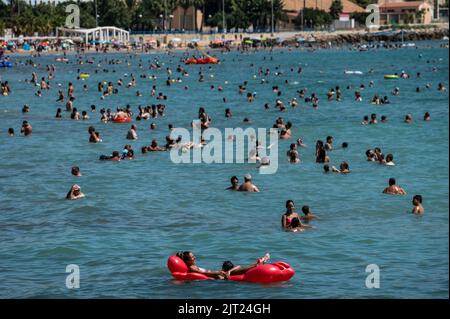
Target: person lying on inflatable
[{"x": 183, "y": 267}]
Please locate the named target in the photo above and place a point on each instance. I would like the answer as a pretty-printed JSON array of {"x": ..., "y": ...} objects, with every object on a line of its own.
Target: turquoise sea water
[{"x": 137, "y": 213}]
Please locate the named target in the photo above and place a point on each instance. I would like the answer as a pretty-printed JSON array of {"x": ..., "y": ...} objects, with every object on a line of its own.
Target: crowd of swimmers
[{"x": 283, "y": 128}]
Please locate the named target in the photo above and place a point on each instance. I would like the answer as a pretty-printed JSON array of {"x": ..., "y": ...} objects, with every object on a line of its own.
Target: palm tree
[
  {"x": 185, "y": 4},
  {"x": 198, "y": 4}
]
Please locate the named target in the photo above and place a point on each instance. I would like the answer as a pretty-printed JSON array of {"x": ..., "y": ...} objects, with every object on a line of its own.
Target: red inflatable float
[
  {"x": 265, "y": 273},
  {"x": 205, "y": 60},
  {"x": 120, "y": 119}
]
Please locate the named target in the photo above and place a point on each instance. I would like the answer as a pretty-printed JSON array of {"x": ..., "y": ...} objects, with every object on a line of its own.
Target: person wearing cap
[
  {"x": 26, "y": 128},
  {"x": 248, "y": 186},
  {"x": 74, "y": 193}
]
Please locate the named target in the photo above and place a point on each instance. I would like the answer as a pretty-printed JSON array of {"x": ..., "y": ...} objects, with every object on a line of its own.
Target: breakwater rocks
[{"x": 388, "y": 36}]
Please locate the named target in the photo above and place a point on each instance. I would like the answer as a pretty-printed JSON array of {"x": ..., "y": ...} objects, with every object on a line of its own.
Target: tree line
[{"x": 29, "y": 16}]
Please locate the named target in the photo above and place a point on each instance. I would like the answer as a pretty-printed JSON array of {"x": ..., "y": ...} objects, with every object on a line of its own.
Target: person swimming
[
  {"x": 417, "y": 203},
  {"x": 234, "y": 183},
  {"x": 393, "y": 189},
  {"x": 26, "y": 129},
  {"x": 296, "y": 226},
  {"x": 115, "y": 156},
  {"x": 248, "y": 186},
  {"x": 132, "y": 134},
  {"x": 290, "y": 213},
  {"x": 75, "y": 171},
  {"x": 308, "y": 214},
  {"x": 75, "y": 193}
]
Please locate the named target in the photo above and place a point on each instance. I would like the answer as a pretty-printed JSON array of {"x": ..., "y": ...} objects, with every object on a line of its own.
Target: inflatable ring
[
  {"x": 265, "y": 273},
  {"x": 120, "y": 119},
  {"x": 391, "y": 76}
]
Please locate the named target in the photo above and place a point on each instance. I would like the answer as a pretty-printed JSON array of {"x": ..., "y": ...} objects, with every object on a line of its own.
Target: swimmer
[
  {"x": 264, "y": 162},
  {"x": 417, "y": 202},
  {"x": 389, "y": 160},
  {"x": 373, "y": 119},
  {"x": 329, "y": 143},
  {"x": 393, "y": 189},
  {"x": 234, "y": 183},
  {"x": 408, "y": 118},
  {"x": 426, "y": 116},
  {"x": 322, "y": 156},
  {"x": 383, "y": 119},
  {"x": 115, "y": 156},
  {"x": 84, "y": 115},
  {"x": 11, "y": 131},
  {"x": 326, "y": 168},
  {"x": 365, "y": 120},
  {"x": 296, "y": 226},
  {"x": 132, "y": 135},
  {"x": 75, "y": 171},
  {"x": 290, "y": 214},
  {"x": 344, "y": 168},
  {"x": 308, "y": 214},
  {"x": 94, "y": 136},
  {"x": 154, "y": 147},
  {"x": 75, "y": 193},
  {"x": 300, "y": 143},
  {"x": 248, "y": 186},
  {"x": 25, "y": 109},
  {"x": 26, "y": 129},
  {"x": 189, "y": 259}
]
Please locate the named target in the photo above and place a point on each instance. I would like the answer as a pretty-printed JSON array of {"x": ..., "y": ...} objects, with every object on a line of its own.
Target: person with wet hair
[
  {"x": 308, "y": 214},
  {"x": 26, "y": 129},
  {"x": 234, "y": 183},
  {"x": 322, "y": 156},
  {"x": 393, "y": 189},
  {"x": 417, "y": 203},
  {"x": 75, "y": 171}
]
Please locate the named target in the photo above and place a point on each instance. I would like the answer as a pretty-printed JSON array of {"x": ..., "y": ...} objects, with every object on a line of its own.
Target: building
[
  {"x": 411, "y": 12},
  {"x": 293, "y": 8},
  {"x": 101, "y": 34},
  {"x": 191, "y": 19}
]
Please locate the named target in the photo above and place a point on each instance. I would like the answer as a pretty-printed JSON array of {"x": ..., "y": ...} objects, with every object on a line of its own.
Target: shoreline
[{"x": 314, "y": 39}]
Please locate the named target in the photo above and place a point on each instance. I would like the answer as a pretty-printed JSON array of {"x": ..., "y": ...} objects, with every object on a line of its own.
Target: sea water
[{"x": 137, "y": 213}]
